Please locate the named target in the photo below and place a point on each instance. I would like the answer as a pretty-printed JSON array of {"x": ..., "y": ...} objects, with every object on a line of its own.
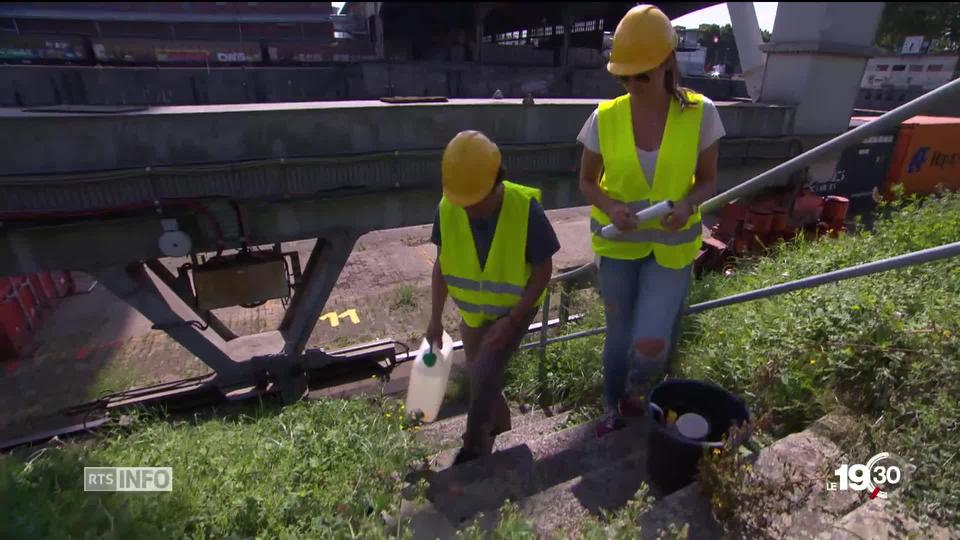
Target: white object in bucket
[
  {"x": 428, "y": 378},
  {"x": 693, "y": 426}
]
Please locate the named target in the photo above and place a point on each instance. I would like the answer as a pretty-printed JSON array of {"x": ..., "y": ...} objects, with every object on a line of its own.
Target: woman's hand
[
  {"x": 621, "y": 216},
  {"x": 677, "y": 219}
]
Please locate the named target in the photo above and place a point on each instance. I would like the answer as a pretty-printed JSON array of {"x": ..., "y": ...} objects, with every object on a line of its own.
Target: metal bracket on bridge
[{"x": 245, "y": 360}]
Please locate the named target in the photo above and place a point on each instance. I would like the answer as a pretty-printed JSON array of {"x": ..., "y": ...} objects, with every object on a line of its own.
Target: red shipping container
[
  {"x": 48, "y": 286},
  {"x": 36, "y": 287},
  {"x": 14, "y": 328},
  {"x": 28, "y": 302}
]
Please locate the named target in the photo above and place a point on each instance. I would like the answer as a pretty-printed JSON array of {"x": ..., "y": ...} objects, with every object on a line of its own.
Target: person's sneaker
[
  {"x": 609, "y": 423},
  {"x": 632, "y": 406}
]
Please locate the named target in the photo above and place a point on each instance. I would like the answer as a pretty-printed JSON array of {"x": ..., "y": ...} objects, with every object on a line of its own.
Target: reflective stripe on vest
[
  {"x": 486, "y": 294},
  {"x": 482, "y": 286},
  {"x": 658, "y": 236},
  {"x": 497, "y": 311},
  {"x": 624, "y": 180}
]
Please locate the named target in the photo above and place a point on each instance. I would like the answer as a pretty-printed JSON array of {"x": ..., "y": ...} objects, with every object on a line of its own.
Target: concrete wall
[
  {"x": 61, "y": 143},
  {"x": 52, "y": 85}
]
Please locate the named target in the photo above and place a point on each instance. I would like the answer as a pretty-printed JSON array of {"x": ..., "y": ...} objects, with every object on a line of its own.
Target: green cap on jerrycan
[{"x": 429, "y": 359}]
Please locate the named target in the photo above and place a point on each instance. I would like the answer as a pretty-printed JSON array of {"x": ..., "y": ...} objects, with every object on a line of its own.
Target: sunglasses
[{"x": 641, "y": 77}]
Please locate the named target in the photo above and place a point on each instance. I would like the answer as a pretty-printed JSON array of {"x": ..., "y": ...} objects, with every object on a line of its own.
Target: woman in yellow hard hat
[
  {"x": 658, "y": 142},
  {"x": 495, "y": 251}
]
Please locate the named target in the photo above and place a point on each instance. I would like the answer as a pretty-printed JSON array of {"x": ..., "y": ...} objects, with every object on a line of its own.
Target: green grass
[
  {"x": 886, "y": 346},
  {"x": 404, "y": 297},
  {"x": 115, "y": 376},
  {"x": 322, "y": 469}
]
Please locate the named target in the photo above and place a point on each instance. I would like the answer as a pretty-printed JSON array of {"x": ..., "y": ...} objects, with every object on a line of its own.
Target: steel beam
[
  {"x": 190, "y": 300},
  {"x": 327, "y": 259},
  {"x": 134, "y": 285}
]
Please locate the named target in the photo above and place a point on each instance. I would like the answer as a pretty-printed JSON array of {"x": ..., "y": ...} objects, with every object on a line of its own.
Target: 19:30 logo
[{"x": 881, "y": 473}]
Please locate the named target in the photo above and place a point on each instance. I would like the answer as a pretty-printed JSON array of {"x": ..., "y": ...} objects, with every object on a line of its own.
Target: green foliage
[
  {"x": 938, "y": 22},
  {"x": 884, "y": 345},
  {"x": 571, "y": 374},
  {"x": 512, "y": 525},
  {"x": 315, "y": 469}
]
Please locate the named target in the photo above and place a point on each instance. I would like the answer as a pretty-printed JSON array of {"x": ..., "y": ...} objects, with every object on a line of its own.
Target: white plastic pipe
[{"x": 648, "y": 214}]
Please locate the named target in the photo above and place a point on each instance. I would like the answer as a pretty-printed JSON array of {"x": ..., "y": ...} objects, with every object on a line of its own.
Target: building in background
[
  {"x": 691, "y": 56},
  {"x": 178, "y": 33},
  {"x": 891, "y": 81}
]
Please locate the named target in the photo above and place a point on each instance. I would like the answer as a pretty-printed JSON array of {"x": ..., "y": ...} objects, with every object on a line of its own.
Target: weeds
[
  {"x": 404, "y": 297},
  {"x": 742, "y": 501}
]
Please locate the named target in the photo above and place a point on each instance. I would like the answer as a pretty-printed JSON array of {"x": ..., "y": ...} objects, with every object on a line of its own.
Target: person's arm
[
  {"x": 538, "y": 281},
  {"x": 704, "y": 187},
  {"x": 591, "y": 167},
  {"x": 438, "y": 295}
]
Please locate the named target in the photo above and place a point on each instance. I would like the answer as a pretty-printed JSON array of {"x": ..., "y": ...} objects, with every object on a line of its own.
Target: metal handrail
[
  {"x": 923, "y": 256},
  {"x": 804, "y": 160}
]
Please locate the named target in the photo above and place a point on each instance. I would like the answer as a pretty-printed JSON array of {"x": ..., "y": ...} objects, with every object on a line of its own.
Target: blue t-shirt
[{"x": 542, "y": 241}]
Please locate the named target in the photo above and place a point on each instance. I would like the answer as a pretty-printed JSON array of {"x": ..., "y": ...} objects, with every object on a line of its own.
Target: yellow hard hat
[
  {"x": 643, "y": 40},
  {"x": 469, "y": 169}
]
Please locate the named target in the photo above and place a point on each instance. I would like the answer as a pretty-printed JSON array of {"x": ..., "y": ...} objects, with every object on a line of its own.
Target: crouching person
[{"x": 494, "y": 258}]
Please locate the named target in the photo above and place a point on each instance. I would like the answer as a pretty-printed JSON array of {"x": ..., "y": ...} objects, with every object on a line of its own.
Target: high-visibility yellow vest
[
  {"x": 487, "y": 294},
  {"x": 623, "y": 180}
]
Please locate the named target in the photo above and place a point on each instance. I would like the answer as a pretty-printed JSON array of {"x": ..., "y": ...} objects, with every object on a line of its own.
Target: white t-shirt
[{"x": 711, "y": 130}]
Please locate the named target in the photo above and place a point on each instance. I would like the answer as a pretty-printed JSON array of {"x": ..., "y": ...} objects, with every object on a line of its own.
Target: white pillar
[
  {"x": 746, "y": 31},
  {"x": 815, "y": 61}
]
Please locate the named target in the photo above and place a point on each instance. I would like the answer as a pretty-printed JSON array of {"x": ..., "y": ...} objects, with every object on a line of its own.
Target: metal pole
[
  {"x": 909, "y": 259},
  {"x": 876, "y": 267},
  {"x": 543, "y": 328},
  {"x": 841, "y": 142}
]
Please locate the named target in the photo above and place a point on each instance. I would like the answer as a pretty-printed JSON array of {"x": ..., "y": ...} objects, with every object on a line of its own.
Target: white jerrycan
[{"x": 428, "y": 379}]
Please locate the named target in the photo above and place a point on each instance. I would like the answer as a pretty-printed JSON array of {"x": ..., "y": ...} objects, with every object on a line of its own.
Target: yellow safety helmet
[
  {"x": 643, "y": 40},
  {"x": 469, "y": 168}
]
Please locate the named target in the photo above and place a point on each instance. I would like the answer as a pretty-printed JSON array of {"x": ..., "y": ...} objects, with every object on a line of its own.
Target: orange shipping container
[{"x": 927, "y": 154}]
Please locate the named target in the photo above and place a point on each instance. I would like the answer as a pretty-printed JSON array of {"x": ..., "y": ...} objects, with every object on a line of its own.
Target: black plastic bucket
[{"x": 671, "y": 458}]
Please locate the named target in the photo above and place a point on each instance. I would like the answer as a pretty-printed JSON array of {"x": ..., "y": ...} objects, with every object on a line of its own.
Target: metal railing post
[{"x": 543, "y": 326}]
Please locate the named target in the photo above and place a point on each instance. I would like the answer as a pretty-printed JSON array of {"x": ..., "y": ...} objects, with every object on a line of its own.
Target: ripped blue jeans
[{"x": 642, "y": 302}]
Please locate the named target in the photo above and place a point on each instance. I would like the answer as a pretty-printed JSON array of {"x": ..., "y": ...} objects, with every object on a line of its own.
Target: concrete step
[
  {"x": 518, "y": 472},
  {"x": 684, "y": 506},
  {"x": 883, "y": 519},
  {"x": 527, "y": 427},
  {"x": 563, "y": 477},
  {"x": 447, "y": 433},
  {"x": 564, "y": 506}
]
